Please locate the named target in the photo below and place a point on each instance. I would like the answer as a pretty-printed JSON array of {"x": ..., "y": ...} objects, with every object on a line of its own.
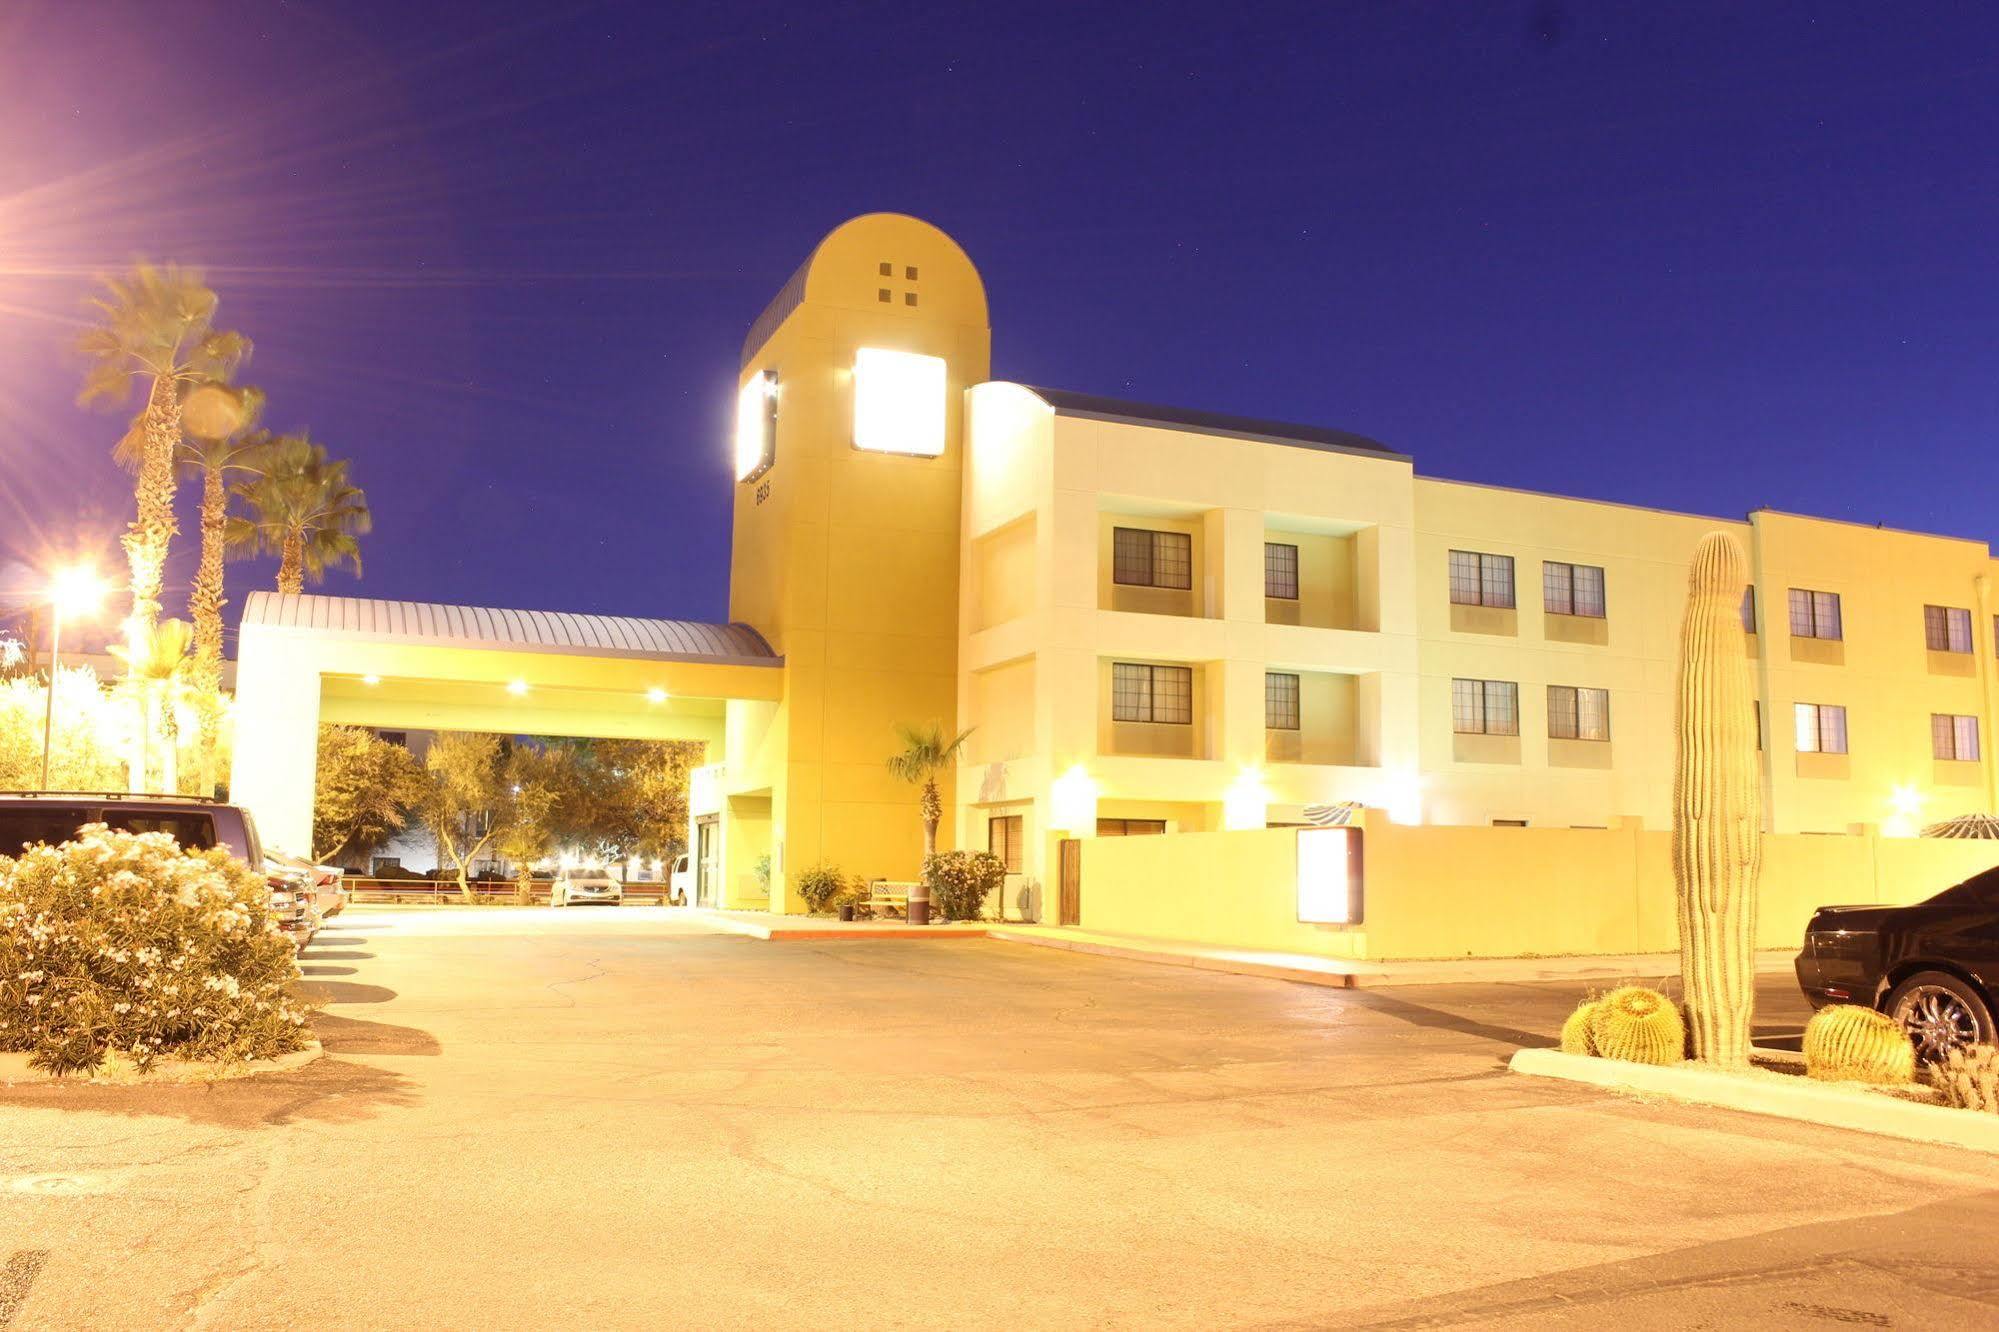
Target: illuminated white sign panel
[
  {"x": 1329, "y": 877},
  {"x": 756, "y": 425},
  {"x": 898, "y": 402}
]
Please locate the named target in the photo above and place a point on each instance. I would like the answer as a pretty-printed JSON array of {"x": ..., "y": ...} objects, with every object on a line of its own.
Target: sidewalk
[
  {"x": 1346, "y": 973},
  {"x": 775, "y": 928}
]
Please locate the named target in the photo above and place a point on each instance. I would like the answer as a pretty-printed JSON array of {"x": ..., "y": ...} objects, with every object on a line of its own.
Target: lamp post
[{"x": 77, "y": 591}]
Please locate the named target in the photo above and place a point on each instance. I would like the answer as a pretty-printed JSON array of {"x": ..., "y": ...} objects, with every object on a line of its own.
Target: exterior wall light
[
  {"x": 898, "y": 402},
  {"x": 1246, "y": 803},
  {"x": 371, "y": 680},
  {"x": 1072, "y": 800},
  {"x": 517, "y": 687},
  {"x": 1329, "y": 876},
  {"x": 656, "y": 695},
  {"x": 756, "y": 425}
]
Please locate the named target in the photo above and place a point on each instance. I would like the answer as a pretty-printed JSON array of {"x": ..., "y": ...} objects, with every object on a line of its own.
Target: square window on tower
[
  {"x": 756, "y": 425},
  {"x": 899, "y": 402}
]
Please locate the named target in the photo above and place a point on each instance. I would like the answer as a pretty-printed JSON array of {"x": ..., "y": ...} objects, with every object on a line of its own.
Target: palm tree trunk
[
  {"x": 205, "y": 605},
  {"x": 933, "y": 811},
  {"x": 291, "y": 565},
  {"x": 152, "y": 531}
]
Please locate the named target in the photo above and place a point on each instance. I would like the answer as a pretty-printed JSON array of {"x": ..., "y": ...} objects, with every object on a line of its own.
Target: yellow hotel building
[{"x": 1157, "y": 620}]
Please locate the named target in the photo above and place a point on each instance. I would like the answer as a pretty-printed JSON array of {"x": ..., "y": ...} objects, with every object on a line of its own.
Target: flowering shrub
[
  {"x": 122, "y": 943},
  {"x": 961, "y": 881},
  {"x": 821, "y": 887}
]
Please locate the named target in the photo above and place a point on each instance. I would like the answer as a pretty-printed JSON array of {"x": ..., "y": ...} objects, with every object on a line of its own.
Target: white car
[
  {"x": 574, "y": 886},
  {"x": 680, "y": 885}
]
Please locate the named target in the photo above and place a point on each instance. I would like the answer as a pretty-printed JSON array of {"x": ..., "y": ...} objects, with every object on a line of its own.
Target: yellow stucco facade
[
  {"x": 982, "y": 587},
  {"x": 1155, "y": 619}
]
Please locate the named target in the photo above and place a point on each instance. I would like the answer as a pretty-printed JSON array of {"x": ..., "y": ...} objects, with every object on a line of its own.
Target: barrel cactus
[
  {"x": 1575, "y": 1031},
  {"x": 1969, "y": 1079},
  {"x": 1848, "y": 1043},
  {"x": 1717, "y": 807},
  {"x": 1638, "y": 1024}
]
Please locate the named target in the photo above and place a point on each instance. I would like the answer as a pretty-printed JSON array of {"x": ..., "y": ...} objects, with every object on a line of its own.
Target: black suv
[
  {"x": 29, "y": 817},
  {"x": 1932, "y": 966}
]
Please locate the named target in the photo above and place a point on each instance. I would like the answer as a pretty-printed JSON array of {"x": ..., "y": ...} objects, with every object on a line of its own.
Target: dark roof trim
[
  {"x": 789, "y": 297},
  {"x": 1091, "y": 407}
]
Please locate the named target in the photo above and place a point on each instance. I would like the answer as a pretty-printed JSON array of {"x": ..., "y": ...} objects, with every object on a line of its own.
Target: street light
[{"x": 72, "y": 591}]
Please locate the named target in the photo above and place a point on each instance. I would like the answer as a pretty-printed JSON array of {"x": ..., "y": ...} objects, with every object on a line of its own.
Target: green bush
[
  {"x": 961, "y": 881},
  {"x": 122, "y": 943},
  {"x": 821, "y": 887}
]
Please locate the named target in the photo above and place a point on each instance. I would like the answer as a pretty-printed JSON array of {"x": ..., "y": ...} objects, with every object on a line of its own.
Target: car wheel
[{"x": 1941, "y": 1013}]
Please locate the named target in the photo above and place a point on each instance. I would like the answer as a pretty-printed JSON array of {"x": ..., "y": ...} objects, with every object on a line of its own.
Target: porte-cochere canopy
[
  {"x": 421, "y": 666},
  {"x": 428, "y": 622}
]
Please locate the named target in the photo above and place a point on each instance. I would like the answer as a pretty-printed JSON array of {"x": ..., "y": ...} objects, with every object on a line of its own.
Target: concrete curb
[
  {"x": 1235, "y": 966},
  {"x": 117, "y": 1072},
  {"x": 753, "y": 929},
  {"x": 1782, "y": 1095}
]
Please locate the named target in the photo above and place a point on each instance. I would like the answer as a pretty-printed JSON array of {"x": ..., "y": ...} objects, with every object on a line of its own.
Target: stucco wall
[{"x": 1439, "y": 891}]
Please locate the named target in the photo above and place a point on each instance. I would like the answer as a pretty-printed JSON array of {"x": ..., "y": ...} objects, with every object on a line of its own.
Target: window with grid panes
[
  {"x": 1485, "y": 707},
  {"x": 1572, "y": 589},
  {"x": 1749, "y": 609},
  {"x": 1821, "y": 728},
  {"x": 1280, "y": 701},
  {"x": 1003, "y": 839},
  {"x": 1481, "y": 580},
  {"x": 1953, "y": 736},
  {"x": 1815, "y": 614},
  {"x": 1280, "y": 570},
  {"x": 1152, "y": 693},
  {"x": 1946, "y": 629},
  {"x": 1578, "y": 713},
  {"x": 1141, "y": 557}
]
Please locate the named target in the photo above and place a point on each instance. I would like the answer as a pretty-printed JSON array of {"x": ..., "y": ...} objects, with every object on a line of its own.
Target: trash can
[{"x": 919, "y": 904}]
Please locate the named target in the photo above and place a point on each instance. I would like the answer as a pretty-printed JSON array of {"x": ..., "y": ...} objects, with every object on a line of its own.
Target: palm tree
[
  {"x": 924, "y": 755},
  {"x": 154, "y": 326},
  {"x": 221, "y": 439},
  {"x": 157, "y": 672},
  {"x": 303, "y": 509}
]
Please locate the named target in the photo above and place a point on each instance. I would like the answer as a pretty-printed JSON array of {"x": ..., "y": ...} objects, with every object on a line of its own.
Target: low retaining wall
[{"x": 1443, "y": 892}]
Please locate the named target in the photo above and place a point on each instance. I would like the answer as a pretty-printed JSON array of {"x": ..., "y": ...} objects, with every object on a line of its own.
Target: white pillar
[{"x": 276, "y": 739}]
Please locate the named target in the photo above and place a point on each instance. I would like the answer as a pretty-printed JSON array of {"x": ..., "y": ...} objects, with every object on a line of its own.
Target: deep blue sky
[{"x": 502, "y": 255}]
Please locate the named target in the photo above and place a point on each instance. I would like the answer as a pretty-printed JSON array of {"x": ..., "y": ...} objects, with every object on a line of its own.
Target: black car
[{"x": 1933, "y": 966}]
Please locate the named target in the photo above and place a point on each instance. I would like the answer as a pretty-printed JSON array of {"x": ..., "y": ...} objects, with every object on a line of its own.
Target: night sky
[{"x": 502, "y": 255}]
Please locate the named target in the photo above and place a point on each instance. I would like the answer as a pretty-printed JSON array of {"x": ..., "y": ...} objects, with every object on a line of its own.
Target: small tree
[
  {"x": 365, "y": 793},
  {"x": 466, "y": 787},
  {"x": 540, "y": 792},
  {"x": 925, "y": 754}
]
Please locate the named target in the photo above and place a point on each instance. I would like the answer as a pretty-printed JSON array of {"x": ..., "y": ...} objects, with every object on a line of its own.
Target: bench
[{"x": 887, "y": 897}]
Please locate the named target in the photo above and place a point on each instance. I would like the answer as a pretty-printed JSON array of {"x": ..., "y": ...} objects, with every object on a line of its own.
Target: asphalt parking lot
[{"x": 616, "y": 1119}]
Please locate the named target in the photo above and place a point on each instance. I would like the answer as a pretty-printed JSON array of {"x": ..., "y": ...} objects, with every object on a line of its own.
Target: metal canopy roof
[{"x": 508, "y": 630}]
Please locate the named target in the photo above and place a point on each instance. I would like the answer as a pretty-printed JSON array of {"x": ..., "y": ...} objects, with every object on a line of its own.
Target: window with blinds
[
  {"x": 1481, "y": 580},
  {"x": 1141, "y": 557},
  {"x": 1821, "y": 728},
  {"x": 1815, "y": 614},
  {"x": 1572, "y": 589},
  {"x": 1946, "y": 629},
  {"x": 1152, "y": 693},
  {"x": 1485, "y": 707},
  {"x": 1280, "y": 570},
  {"x": 1953, "y": 737},
  {"x": 1280, "y": 701},
  {"x": 1578, "y": 713}
]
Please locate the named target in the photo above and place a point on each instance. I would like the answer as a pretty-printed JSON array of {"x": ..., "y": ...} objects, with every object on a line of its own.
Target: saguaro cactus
[{"x": 1717, "y": 807}]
